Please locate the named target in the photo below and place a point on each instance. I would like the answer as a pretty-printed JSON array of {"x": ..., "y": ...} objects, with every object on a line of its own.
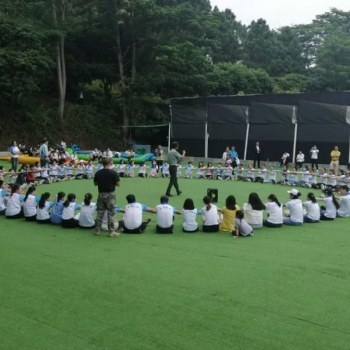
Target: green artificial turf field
[{"x": 281, "y": 289}]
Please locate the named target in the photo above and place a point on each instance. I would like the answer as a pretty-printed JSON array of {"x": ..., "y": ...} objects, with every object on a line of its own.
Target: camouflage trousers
[{"x": 106, "y": 202}]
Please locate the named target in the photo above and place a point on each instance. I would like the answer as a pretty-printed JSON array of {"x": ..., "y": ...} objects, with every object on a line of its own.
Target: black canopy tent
[
  {"x": 226, "y": 122},
  {"x": 283, "y": 122}
]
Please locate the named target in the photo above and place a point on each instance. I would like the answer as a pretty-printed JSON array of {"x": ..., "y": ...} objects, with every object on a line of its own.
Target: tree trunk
[
  {"x": 133, "y": 63},
  {"x": 122, "y": 82},
  {"x": 60, "y": 59}
]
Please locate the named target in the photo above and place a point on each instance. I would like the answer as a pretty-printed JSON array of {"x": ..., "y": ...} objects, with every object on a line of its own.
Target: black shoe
[
  {"x": 169, "y": 195},
  {"x": 178, "y": 193}
]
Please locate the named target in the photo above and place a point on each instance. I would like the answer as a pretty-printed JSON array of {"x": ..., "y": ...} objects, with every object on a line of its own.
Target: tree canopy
[{"x": 127, "y": 58}]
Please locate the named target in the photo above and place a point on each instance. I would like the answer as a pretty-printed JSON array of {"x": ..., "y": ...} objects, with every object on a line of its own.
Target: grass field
[{"x": 67, "y": 289}]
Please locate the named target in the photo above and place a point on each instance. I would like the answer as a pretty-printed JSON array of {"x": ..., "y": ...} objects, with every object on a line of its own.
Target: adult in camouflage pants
[{"x": 106, "y": 180}]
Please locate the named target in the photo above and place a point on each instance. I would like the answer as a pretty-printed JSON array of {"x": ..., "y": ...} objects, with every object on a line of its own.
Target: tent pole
[
  {"x": 295, "y": 141},
  {"x": 169, "y": 135},
  {"x": 246, "y": 141},
  {"x": 169, "y": 132},
  {"x": 295, "y": 121},
  {"x": 206, "y": 136},
  {"x": 348, "y": 122},
  {"x": 206, "y": 141},
  {"x": 247, "y": 134}
]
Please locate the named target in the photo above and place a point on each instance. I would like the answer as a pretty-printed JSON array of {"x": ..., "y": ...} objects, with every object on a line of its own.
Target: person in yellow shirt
[
  {"x": 229, "y": 214},
  {"x": 335, "y": 155}
]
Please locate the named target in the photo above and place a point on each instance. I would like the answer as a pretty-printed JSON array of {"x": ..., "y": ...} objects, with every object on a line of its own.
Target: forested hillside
[{"x": 83, "y": 69}]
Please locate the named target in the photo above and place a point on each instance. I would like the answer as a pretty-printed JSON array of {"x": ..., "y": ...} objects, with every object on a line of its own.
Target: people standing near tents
[
  {"x": 225, "y": 154},
  {"x": 233, "y": 156},
  {"x": 314, "y": 157},
  {"x": 300, "y": 160},
  {"x": 44, "y": 153},
  {"x": 257, "y": 154},
  {"x": 173, "y": 157},
  {"x": 285, "y": 159},
  {"x": 335, "y": 155},
  {"x": 15, "y": 152}
]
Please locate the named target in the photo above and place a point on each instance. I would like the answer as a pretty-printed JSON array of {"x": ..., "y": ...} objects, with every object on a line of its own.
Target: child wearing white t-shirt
[
  {"x": 165, "y": 216},
  {"x": 211, "y": 218},
  {"x": 189, "y": 213},
  {"x": 87, "y": 212}
]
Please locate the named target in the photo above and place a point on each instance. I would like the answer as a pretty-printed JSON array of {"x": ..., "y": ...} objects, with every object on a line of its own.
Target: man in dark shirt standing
[
  {"x": 106, "y": 180},
  {"x": 173, "y": 157},
  {"x": 257, "y": 154}
]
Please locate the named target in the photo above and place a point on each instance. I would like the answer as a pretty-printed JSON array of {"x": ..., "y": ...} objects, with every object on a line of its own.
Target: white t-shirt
[
  {"x": 295, "y": 207},
  {"x": 87, "y": 213},
  {"x": 344, "y": 210},
  {"x": 14, "y": 205},
  {"x": 324, "y": 178},
  {"x": 331, "y": 210},
  {"x": 312, "y": 210},
  {"x": 89, "y": 169},
  {"x": 142, "y": 169},
  {"x": 121, "y": 168},
  {"x": 314, "y": 153},
  {"x": 165, "y": 214},
  {"x": 3, "y": 193},
  {"x": 166, "y": 169},
  {"x": 53, "y": 170},
  {"x": 189, "y": 217},
  {"x": 211, "y": 216},
  {"x": 253, "y": 217},
  {"x": 133, "y": 215},
  {"x": 262, "y": 173},
  {"x": 80, "y": 169},
  {"x": 29, "y": 206},
  {"x": 332, "y": 180},
  {"x": 275, "y": 213},
  {"x": 300, "y": 158},
  {"x": 14, "y": 149},
  {"x": 68, "y": 212},
  {"x": 44, "y": 213}
]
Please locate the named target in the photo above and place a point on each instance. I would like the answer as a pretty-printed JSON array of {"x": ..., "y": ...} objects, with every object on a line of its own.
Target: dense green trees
[{"x": 129, "y": 57}]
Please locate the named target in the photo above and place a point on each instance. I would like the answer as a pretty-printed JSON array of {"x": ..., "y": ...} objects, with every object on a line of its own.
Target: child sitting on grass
[{"x": 241, "y": 227}]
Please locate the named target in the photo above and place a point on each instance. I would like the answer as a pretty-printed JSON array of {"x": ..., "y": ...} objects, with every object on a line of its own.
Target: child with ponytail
[
  {"x": 30, "y": 203},
  {"x": 57, "y": 209},
  {"x": 87, "y": 212},
  {"x": 44, "y": 206},
  {"x": 69, "y": 208}
]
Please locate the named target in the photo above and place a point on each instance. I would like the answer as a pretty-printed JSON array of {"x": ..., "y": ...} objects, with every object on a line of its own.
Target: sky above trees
[{"x": 279, "y": 13}]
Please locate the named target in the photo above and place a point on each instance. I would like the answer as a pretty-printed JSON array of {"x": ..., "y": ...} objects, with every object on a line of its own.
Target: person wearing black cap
[
  {"x": 173, "y": 157},
  {"x": 106, "y": 180}
]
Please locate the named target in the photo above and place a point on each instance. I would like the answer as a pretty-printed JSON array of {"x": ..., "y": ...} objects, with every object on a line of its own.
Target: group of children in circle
[
  {"x": 231, "y": 218},
  {"x": 61, "y": 171}
]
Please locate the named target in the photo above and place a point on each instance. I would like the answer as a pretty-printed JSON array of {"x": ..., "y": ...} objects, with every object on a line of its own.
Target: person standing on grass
[
  {"x": 314, "y": 157},
  {"x": 173, "y": 157},
  {"x": 300, "y": 160},
  {"x": 15, "y": 152},
  {"x": 335, "y": 155},
  {"x": 257, "y": 154},
  {"x": 106, "y": 180},
  {"x": 44, "y": 153}
]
